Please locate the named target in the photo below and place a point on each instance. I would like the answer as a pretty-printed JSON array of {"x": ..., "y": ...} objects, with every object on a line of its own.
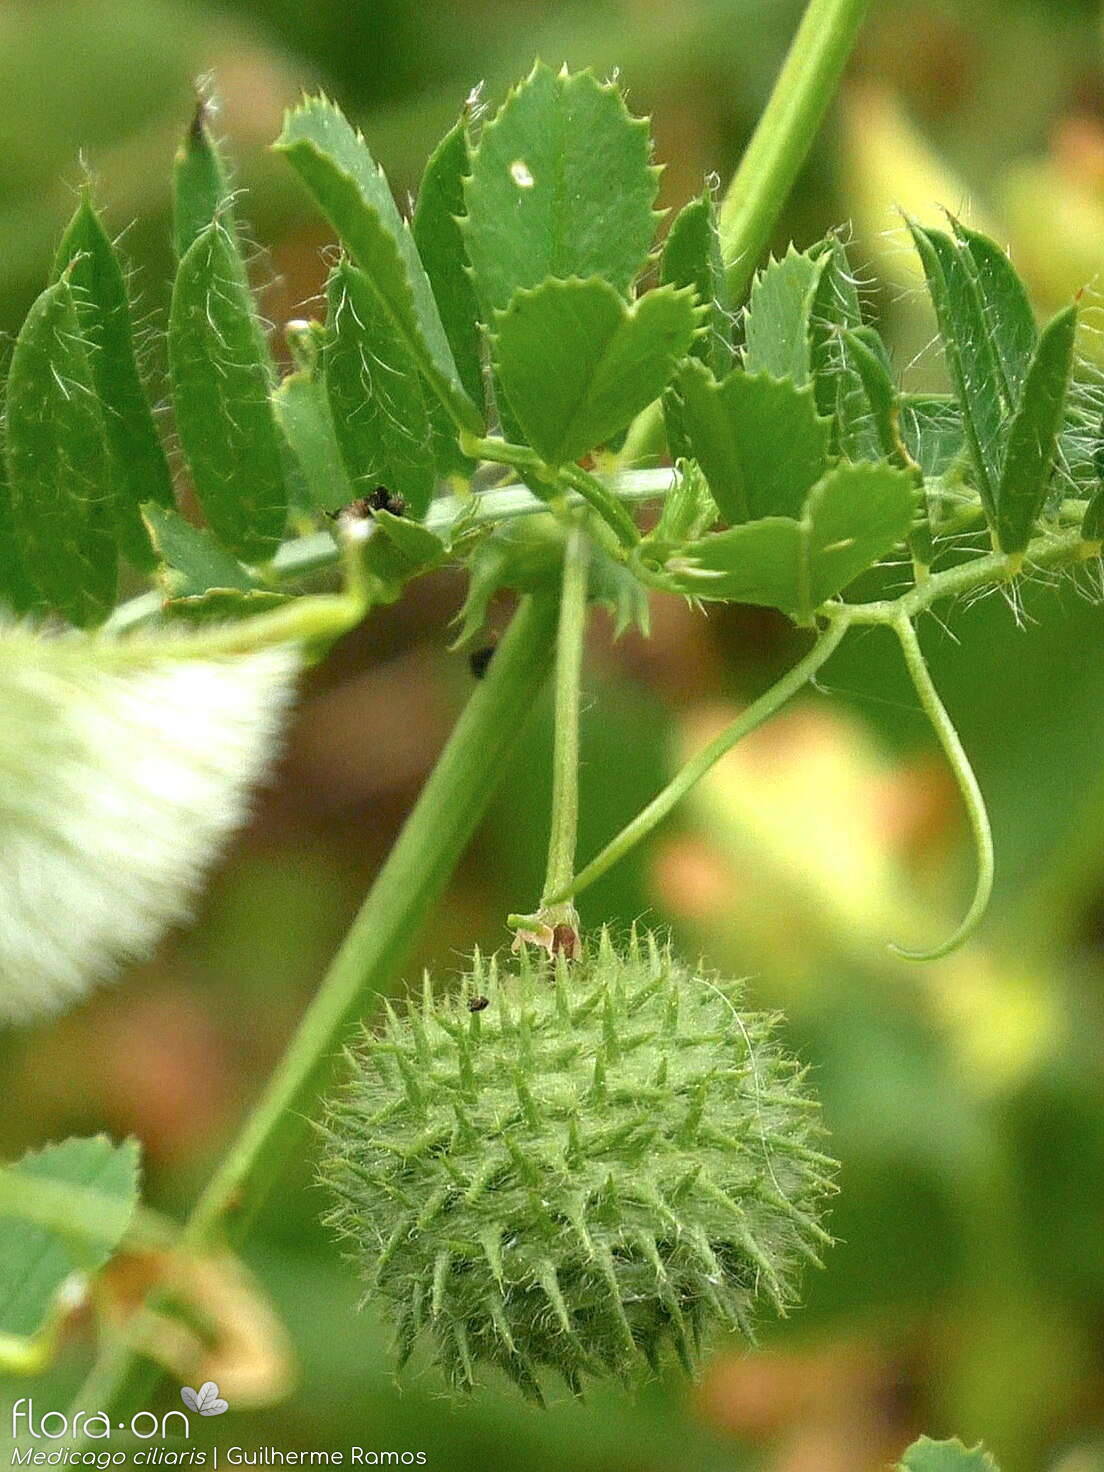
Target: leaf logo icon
[{"x": 205, "y": 1401}]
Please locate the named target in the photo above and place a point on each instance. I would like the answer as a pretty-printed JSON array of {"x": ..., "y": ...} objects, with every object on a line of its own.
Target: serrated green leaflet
[
  {"x": 1033, "y": 434},
  {"x": 59, "y": 470},
  {"x": 34, "y": 1260},
  {"x": 778, "y": 330},
  {"x": 191, "y": 558},
  {"x": 759, "y": 441},
  {"x": 302, "y": 410},
  {"x": 1008, "y": 315},
  {"x": 839, "y": 390},
  {"x": 879, "y": 434},
  {"x": 926, "y": 1455},
  {"x": 221, "y": 385},
  {"x": 375, "y": 395},
  {"x": 692, "y": 257},
  {"x": 16, "y": 588},
  {"x": 577, "y": 363},
  {"x": 352, "y": 192},
  {"x": 440, "y": 242},
  {"x": 852, "y": 517},
  {"x": 201, "y": 189},
  {"x": 561, "y": 185},
  {"x": 969, "y": 351},
  {"x": 140, "y": 469}
]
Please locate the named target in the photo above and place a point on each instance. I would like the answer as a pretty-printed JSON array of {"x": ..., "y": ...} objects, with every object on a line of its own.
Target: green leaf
[
  {"x": 192, "y": 560},
  {"x": 221, "y": 380},
  {"x": 141, "y": 471},
  {"x": 1008, "y": 314},
  {"x": 421, "y": 547},
  {"x": 440, "y": 242},
  {"x": 375, "y": 395},
  {"x": 759, "y": 441},
  {"x": 926, "y": 1455},
  {"x": 16, "y": 588},
  {"x": 302, "y": 410},
  {"x": 577, "y": 363},
  {"x": 1033, "y": 435},
  {"x": 839, "y": 391},
  {"x": 865, "y": 354},
  {"x": 692, "y": 257},
  {"x": 201, "y": 189},
  {"x": 971, "y": 356},
  {"x": 852, "y": 518},
  {"x": 59, "y": 470},
  {"x": 352, "y": 192},
  {"x": 561, "y": 185},
  {"x": 34, "y": 1260},
  {"x": 778, "y": 329},
  {"x": 223, "y": 605},
  {"x": 931, "y": 427}
]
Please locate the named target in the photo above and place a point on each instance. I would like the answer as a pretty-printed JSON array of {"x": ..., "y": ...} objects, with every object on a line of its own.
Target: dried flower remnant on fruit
[{"x": 584, "y": 1177}]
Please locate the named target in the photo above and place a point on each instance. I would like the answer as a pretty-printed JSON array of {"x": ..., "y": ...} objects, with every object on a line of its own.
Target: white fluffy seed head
[{"x": 123, "y": 768}]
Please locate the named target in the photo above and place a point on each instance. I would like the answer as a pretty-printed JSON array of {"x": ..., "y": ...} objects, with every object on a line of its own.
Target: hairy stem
[
  {"x": 419, "y": 865},
  {"x": 565, "y": 756},
  {"x": 784, "y": 133},
  {"x": 968, "y": 785},
  {"x": 759, "y": 711}
]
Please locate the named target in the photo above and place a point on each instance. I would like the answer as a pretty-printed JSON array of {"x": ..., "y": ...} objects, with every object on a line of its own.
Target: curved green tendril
[
  {"x": 759, "y": 711},
  {"x": 967, "y": 783}
]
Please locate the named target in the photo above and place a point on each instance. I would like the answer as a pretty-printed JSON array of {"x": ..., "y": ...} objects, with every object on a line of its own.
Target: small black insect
[
  {"x": 476, "y": 1004},
  {"x": 381, "y": 499},
  {"x": 479, "y": 660}
]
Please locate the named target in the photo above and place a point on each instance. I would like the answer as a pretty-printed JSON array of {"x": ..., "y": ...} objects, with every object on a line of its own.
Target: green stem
[
  {"x": 968, "y": 785},
  {"x": 1052, "y": 550},
  {"x": 759, "y": 711},
  {"x": 784, "y": 134},
  {"x": 770, "y": 166},
  {"x": 415, "y": 874},
  {"x": 565, "y": 753},
  {"x": 598, "y": 498}
]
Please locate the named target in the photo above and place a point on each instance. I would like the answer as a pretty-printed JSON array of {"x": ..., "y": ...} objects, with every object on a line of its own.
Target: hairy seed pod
[
  {"x": 124, "y": 765},
  {"x": 574, "y": 1165}
]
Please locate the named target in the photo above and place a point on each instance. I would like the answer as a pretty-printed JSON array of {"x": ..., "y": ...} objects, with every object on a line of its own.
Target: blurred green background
[{"x": 966, "y": 1099}]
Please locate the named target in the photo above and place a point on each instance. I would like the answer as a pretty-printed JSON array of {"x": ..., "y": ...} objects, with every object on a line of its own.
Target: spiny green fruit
[{"x": 572, "y": 1165}]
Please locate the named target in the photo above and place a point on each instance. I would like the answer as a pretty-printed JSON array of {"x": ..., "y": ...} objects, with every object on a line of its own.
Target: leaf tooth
[{"x": 550, "y": 1283}]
